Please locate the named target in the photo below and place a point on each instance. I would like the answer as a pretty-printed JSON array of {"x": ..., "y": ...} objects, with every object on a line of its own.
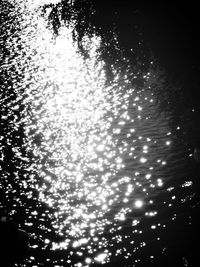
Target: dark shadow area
[{"x": 13, "y": 242}]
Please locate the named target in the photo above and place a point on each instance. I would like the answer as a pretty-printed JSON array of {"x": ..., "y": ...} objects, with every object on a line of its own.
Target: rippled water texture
[{"x": 93, "y": 155}]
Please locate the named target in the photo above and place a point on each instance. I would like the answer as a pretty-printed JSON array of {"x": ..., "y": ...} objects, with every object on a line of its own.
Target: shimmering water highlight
[{"x": 97, "y": 153}]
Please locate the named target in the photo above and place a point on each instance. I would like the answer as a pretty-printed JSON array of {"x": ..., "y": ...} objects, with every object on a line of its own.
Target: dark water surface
[{"x": 98, "y": 133}]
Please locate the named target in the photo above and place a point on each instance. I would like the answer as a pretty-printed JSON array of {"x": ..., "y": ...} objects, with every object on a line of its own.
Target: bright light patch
[
  {"x": 47, "y": 241},
  {"x": 135, "y": 222},
  {"x": 38, "y": 3},
  {"x": 187, "y": 184},
  {"x": 160, "y": 182},
  {"x": 138, "y": 203},
  {"x": 101, "y": 257},
  {"x": 143, "y": 160},
  {"x": 88, "y": 260},
  {"x": 100, "y": 148},
  {"x": 148, "y": 176},
  {"x": 151, "y": 213}
]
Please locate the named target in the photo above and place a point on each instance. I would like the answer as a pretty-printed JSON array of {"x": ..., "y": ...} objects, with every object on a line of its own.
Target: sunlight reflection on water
[
  {"x": 88, "y": 138},
  {"x": 100, "y": 151}
]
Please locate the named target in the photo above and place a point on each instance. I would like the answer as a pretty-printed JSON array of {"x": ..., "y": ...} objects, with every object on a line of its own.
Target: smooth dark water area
[{"x": 100, "y": 117}]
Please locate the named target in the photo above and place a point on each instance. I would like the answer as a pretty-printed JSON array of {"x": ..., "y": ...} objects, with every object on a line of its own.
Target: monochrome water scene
[{"x": 100, "y": 133}]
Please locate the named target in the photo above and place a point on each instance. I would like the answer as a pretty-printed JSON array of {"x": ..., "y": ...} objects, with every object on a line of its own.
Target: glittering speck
[{"x": 138, "y": 203}]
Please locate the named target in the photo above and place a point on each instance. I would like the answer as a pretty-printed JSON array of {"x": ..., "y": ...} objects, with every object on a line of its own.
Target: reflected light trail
[
  {"x": 85, "y": 139},
  {"x": 68, "y": 126}
]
